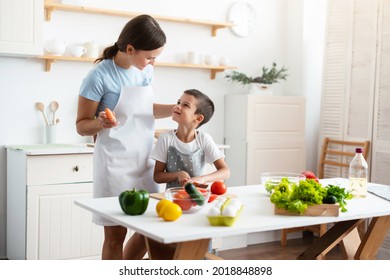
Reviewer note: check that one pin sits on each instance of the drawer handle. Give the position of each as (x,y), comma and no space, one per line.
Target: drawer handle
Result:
(76,168)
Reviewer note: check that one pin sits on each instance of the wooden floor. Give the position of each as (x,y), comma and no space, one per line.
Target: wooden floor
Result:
(273,251)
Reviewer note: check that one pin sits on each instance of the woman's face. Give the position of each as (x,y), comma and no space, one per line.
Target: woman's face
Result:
(141,59)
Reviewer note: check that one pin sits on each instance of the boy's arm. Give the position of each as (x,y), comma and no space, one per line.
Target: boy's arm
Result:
(222,172)
(161,176)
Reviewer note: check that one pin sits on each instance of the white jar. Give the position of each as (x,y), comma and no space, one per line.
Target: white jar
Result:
(91,49)
(193,57)
(211,59)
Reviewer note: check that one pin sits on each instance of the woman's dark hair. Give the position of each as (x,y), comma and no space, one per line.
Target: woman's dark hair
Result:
(142,32)
(205,105)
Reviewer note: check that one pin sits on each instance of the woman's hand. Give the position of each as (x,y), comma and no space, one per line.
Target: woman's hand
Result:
(105,122)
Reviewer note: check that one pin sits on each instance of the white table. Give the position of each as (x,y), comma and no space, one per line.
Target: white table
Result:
(188,237)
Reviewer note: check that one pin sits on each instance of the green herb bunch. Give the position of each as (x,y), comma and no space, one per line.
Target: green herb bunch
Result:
(339,194)
(268,76)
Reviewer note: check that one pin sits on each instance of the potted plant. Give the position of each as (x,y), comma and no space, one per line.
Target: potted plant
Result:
(263,82)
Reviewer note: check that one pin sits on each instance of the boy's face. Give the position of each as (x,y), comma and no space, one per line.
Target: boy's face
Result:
(184,111)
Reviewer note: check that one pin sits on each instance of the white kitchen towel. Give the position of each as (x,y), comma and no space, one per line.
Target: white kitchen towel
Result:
(380,190)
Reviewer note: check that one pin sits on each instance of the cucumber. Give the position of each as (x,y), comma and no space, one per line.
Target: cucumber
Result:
(194,194)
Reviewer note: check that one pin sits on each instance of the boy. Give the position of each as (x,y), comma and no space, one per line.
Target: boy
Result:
(182,154)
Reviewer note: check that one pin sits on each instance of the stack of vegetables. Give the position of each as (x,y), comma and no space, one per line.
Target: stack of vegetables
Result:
(297,197)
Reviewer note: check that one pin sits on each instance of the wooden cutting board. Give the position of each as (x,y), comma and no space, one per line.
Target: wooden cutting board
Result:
(330,210)
(161,195)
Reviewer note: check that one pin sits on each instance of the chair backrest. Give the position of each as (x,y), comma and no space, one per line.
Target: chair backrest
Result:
(339,153)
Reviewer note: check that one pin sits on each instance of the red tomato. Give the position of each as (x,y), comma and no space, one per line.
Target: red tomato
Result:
(310,175)
(218,187)
(212,197)
(183,201)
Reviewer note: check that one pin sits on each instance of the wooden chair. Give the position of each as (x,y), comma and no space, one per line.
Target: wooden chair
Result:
(339,153)
(335,154)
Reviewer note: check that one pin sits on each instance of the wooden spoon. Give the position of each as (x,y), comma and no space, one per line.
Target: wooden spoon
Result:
(41,107)
(54,107)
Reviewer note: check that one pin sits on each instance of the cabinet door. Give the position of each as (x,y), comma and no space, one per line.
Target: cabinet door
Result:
(275,156)
(21,27)
(273,117)
(56,227)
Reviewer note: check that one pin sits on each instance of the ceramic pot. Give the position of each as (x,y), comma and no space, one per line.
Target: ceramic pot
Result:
(92,49)
(256,88)
(55,46)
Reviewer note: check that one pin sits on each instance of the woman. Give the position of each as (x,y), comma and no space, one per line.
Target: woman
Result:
(121,82)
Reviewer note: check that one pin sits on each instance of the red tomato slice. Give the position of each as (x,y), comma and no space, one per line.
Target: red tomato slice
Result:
(212,197)
(182,192)
(202,190)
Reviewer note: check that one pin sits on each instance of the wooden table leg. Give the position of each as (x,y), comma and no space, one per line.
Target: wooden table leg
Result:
(188,250)
(372,240)
(351,243)
(329,240)
(191,250)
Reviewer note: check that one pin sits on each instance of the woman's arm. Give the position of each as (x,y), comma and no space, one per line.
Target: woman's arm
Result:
(162,110)
(161,176)
(86,123)
(222,173)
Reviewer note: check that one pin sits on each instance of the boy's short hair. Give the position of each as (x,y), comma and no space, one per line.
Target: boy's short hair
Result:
(205,105)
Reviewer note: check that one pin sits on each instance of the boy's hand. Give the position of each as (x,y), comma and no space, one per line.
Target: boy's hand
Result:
(183,177)
(195,182)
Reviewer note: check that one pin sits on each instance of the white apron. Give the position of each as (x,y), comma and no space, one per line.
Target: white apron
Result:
(121,154)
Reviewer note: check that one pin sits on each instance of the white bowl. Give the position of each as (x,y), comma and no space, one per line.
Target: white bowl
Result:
(186,203)
(271,179)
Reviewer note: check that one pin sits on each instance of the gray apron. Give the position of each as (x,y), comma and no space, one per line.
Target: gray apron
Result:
(193,163)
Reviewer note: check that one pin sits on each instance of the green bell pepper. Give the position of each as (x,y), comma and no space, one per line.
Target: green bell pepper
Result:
(134,202)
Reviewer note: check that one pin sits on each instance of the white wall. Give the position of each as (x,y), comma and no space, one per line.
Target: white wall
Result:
(277,37)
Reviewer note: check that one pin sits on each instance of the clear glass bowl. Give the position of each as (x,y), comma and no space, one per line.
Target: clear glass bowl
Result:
(271,179)
(183,199)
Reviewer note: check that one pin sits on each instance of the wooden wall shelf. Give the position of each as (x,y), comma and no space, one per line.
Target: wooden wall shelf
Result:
(49,59)
(50,7)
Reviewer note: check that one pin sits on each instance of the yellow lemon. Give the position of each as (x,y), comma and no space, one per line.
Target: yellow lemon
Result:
(160,205)
(171,211)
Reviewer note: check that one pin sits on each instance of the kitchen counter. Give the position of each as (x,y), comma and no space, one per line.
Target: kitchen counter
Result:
(48,149)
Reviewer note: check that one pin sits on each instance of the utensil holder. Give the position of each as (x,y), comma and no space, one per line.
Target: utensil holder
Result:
(51,133)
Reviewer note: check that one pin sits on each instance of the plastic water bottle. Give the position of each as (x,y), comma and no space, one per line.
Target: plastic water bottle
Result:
(358,174)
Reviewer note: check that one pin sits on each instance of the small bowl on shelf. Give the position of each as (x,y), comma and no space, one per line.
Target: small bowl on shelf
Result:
(271,179)
(187,204)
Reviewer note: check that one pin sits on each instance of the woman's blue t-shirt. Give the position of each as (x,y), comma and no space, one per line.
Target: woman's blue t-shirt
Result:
(104,82)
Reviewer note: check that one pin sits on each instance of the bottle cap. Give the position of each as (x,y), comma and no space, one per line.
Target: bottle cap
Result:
(359,150)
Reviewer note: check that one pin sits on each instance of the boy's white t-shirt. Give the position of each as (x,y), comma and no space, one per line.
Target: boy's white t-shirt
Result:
(203,141)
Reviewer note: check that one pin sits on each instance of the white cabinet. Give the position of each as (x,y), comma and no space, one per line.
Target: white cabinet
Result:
(42,220)
(21,27)
(265,133)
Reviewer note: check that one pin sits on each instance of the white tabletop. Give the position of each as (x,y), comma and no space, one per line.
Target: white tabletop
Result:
(256,216)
